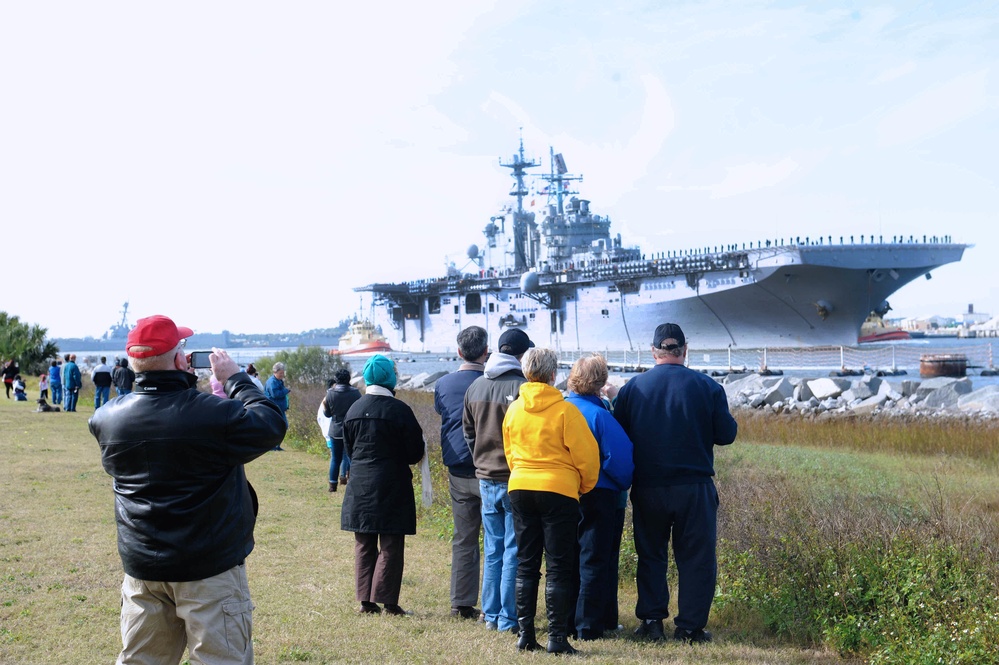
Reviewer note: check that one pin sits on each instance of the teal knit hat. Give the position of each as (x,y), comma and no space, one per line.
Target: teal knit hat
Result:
(379,371)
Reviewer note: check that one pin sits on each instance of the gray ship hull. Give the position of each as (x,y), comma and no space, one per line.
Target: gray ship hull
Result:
(782,297)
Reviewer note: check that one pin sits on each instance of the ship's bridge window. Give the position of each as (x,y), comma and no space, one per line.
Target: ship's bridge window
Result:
(473,303)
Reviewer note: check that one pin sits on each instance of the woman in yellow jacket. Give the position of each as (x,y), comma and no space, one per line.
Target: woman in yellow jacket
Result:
(553,458)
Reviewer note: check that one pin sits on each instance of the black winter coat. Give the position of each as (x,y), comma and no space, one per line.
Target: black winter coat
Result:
(182,502)
(383,438)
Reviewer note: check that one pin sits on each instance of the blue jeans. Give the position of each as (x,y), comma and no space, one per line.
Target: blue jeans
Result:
(57,393)
(339,461)
(72,394)
(499,543)
(101,396)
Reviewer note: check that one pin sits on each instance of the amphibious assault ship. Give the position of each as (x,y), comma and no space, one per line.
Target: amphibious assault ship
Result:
(570,285)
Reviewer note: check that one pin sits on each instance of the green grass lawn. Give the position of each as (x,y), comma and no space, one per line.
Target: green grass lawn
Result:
(60,572)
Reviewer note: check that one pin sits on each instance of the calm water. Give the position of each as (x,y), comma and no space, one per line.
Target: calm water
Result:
(903,355)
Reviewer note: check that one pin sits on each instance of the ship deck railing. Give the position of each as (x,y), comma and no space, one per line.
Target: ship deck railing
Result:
(876,358)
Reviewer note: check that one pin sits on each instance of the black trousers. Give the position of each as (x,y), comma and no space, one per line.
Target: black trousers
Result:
(545,522)
(687,515)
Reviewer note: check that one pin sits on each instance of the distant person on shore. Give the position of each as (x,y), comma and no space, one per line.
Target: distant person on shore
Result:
(466,504)
(277,392)
(486,402)
(101,376)
(252,372)
(124,377)
(675,416)
(602,509)
(383,438)
(184,509)
(10,370)
(553,459)
(43,386)
(55,381)
(337,401)
(72,381)
(20,390)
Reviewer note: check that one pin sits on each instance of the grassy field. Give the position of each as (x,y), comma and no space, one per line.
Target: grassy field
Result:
(60,572)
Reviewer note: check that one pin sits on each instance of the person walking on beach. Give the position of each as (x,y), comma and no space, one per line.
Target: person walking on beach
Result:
(675,416)
(466,504)
(383,438)
(184,509)
(486,403)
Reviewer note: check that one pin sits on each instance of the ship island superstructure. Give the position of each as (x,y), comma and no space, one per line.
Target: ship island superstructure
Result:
(570,285)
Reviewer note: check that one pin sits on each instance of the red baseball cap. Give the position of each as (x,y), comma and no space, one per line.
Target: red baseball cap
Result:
(157,332)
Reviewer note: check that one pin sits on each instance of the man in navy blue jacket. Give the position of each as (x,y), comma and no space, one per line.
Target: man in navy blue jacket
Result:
(466,505)
(675,416)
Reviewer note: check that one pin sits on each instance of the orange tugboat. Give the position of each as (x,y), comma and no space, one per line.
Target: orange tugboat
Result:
(361,339)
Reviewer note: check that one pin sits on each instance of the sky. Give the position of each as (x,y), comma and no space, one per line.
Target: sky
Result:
(243,166)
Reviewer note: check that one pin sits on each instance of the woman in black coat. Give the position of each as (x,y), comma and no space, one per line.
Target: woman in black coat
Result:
(383,438)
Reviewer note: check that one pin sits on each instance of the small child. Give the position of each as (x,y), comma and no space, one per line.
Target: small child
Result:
(43,386)
(20,394)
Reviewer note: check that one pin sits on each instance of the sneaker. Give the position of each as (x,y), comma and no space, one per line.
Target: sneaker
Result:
(651,629)
(699,636)
(491,625)
(465,612)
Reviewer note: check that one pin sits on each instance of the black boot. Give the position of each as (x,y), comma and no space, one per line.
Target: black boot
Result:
(527,607)
(557,600)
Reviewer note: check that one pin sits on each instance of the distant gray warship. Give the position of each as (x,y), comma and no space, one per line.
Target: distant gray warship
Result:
(562,278)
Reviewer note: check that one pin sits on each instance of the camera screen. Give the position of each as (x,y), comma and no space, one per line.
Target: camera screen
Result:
(199,359)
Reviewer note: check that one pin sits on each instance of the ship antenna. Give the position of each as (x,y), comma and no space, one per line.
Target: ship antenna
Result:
(559,179)
(519,166)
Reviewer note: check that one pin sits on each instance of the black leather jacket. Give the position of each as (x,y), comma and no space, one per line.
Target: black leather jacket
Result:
(182,502)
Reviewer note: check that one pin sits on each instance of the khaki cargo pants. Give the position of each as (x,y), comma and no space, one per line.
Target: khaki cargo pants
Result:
(212,617)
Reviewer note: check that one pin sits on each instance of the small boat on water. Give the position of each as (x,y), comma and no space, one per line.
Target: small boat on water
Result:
(361,339)
(874,329)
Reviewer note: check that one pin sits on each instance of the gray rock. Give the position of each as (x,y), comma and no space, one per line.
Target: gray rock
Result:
(870,405)
(983,399)
(778,392)
(948,394)
(826,388)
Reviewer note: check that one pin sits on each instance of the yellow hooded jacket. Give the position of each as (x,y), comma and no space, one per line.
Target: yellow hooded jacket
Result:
(548,444)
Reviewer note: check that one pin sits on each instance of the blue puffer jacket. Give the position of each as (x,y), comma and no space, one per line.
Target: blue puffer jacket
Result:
(616,464)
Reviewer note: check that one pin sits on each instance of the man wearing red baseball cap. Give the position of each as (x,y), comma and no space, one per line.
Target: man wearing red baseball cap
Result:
(184,509)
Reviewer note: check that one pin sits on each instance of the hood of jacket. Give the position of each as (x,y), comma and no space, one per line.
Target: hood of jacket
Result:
(539,396)
(501,363)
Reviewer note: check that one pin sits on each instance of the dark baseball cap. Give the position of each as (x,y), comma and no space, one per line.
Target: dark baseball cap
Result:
(515,342)
(665,331)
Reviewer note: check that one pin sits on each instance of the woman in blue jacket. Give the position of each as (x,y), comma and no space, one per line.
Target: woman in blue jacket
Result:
(602,509)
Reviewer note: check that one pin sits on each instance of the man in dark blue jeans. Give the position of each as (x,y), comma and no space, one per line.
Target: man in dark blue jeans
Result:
(675,416)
